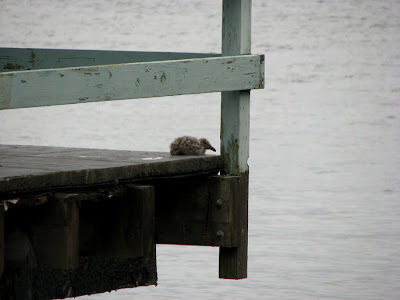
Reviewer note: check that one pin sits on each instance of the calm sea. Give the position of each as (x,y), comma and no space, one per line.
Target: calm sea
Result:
(324,203)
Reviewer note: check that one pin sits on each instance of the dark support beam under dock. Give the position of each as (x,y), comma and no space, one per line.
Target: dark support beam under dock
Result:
(143,198)
(2,248)
(198,212)
(55,233)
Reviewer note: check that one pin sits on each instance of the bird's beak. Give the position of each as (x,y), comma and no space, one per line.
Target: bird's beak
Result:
(213,149)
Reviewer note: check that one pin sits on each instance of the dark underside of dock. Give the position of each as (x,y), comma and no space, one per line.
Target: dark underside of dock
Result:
(83,221)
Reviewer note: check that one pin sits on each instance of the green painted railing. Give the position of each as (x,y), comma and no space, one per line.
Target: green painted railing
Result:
(40,77)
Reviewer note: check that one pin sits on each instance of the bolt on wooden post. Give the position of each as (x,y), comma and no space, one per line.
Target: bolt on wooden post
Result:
(235,125)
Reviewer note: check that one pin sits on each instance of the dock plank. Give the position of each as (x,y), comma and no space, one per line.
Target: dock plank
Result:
(30,168)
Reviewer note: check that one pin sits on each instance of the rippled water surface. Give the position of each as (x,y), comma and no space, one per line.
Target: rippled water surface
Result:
(324,207)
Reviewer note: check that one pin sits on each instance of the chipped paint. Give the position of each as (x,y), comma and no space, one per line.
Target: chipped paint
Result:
(163,77)
(231,156)
(10,66)
(122,81)
(262,58)
(33,59)
(137,83)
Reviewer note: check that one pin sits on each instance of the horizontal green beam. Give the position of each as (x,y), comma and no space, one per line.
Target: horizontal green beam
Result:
(130,81)
(19,59)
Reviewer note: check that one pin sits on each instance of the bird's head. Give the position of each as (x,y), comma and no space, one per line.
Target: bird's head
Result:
(206,144)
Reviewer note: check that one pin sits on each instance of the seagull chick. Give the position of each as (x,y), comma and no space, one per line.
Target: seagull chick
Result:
(188,145)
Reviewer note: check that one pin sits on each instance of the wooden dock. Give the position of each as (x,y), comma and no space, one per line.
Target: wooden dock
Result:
(82,221)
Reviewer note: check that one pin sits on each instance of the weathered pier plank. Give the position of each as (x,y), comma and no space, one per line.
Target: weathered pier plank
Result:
(37,168)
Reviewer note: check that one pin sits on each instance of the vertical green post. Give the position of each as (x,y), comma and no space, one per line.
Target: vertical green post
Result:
(235,128)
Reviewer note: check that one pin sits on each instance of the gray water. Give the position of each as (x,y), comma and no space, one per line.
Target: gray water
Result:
(324,207)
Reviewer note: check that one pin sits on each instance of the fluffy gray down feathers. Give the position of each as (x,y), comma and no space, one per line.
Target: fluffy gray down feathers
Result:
(188,145)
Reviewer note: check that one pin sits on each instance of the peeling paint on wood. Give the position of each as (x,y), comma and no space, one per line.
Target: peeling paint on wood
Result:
(155,79)
(235,129)
(10,66)
(34,58)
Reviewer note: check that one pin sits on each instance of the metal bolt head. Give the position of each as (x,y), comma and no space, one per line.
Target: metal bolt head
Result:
(220,234)
(219,203)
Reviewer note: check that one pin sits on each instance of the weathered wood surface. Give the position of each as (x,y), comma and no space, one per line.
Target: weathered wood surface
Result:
(20,59)
(130,81)
(198,211)
(54,233)
(120,227)
(110,223)
(78,243)
(143,198)
(2,247)
(94,275)
(235,130)
(38,168)
(100,214)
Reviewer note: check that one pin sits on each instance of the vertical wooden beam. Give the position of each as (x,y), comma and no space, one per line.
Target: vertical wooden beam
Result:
(122,227)
(142,196)
(2,246)
(224,209)
(235,127)
(55,233)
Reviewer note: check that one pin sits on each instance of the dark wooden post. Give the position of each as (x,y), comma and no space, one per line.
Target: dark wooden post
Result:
(235,124)
(121,227)
(55,233)
(2,247)
(224,212)
(143,199)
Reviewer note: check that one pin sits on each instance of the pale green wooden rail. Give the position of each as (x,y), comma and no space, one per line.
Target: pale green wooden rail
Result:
(39,77)
(55,86)
(18,59)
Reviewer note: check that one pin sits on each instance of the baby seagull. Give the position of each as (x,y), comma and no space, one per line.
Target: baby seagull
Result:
(188,145)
